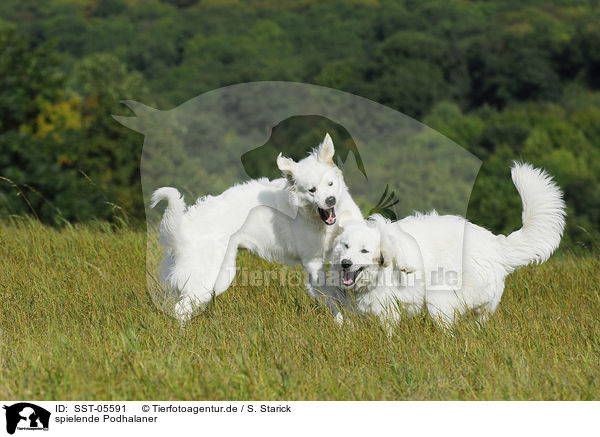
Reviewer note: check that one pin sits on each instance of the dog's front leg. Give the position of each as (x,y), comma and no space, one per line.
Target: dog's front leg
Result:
(326,299)
(316,273)
(325,293)
(316,280)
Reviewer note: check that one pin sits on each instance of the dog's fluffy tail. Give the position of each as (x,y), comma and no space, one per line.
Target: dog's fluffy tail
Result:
(543,218)
(172,217)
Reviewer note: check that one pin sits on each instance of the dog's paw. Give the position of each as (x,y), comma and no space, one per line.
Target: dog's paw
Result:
(183,312)
(407,269)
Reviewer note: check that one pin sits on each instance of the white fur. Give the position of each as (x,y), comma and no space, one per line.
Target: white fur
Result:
(277,220)
(420,245)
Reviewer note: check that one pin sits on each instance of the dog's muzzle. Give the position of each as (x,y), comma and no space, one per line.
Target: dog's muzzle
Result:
(349,277)
(327,215)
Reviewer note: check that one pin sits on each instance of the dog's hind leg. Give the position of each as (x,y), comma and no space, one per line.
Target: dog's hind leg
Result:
(444,307)
(484,313)
(228,266)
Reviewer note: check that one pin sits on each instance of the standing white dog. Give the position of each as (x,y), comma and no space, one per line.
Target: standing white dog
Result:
(404,267)
(293,220)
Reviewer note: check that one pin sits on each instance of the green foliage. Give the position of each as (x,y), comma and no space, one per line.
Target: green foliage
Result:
(515,80)
(29,77)
(61,155)
(564,142)
(385,205)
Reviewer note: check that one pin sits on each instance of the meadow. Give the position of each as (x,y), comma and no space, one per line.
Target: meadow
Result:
(77,322)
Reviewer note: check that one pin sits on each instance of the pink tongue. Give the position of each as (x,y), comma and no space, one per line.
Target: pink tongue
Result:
(330,218)
(348,278)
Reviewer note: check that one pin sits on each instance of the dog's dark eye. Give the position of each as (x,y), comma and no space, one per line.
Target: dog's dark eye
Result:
(312,190)
(330,184)
(364,251)
(345,245)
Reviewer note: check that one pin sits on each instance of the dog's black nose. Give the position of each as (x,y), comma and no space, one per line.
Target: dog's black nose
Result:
(346,263)
(330,201)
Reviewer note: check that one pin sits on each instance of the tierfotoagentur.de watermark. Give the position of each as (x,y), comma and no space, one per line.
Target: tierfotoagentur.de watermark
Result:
(439,279)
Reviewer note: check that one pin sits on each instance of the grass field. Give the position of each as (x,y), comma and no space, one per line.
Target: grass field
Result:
(77,322)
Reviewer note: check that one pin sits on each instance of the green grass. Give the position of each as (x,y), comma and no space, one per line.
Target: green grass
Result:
(77,322)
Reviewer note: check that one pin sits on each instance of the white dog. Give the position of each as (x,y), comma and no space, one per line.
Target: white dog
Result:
(293,220)
(412,265)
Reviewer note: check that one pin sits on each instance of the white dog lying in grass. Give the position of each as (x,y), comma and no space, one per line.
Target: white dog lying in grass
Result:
(390,269)
(293,220)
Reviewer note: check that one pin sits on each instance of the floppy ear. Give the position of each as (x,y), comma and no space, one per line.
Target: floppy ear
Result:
(392,252)
(287,166)
(326,150)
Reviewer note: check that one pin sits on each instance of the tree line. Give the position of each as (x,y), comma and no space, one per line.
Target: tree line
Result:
(506,80)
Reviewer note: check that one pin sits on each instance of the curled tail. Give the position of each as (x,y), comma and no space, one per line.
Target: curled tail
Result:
(543,218)
(172,216)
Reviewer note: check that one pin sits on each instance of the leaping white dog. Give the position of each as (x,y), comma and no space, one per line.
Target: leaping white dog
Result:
(293,220)
(391,269)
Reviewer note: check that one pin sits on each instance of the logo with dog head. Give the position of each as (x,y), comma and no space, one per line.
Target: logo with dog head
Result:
(26,416)
(267,131)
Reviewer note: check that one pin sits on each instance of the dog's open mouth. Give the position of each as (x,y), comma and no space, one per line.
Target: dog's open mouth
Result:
(327,215)
(349,278)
